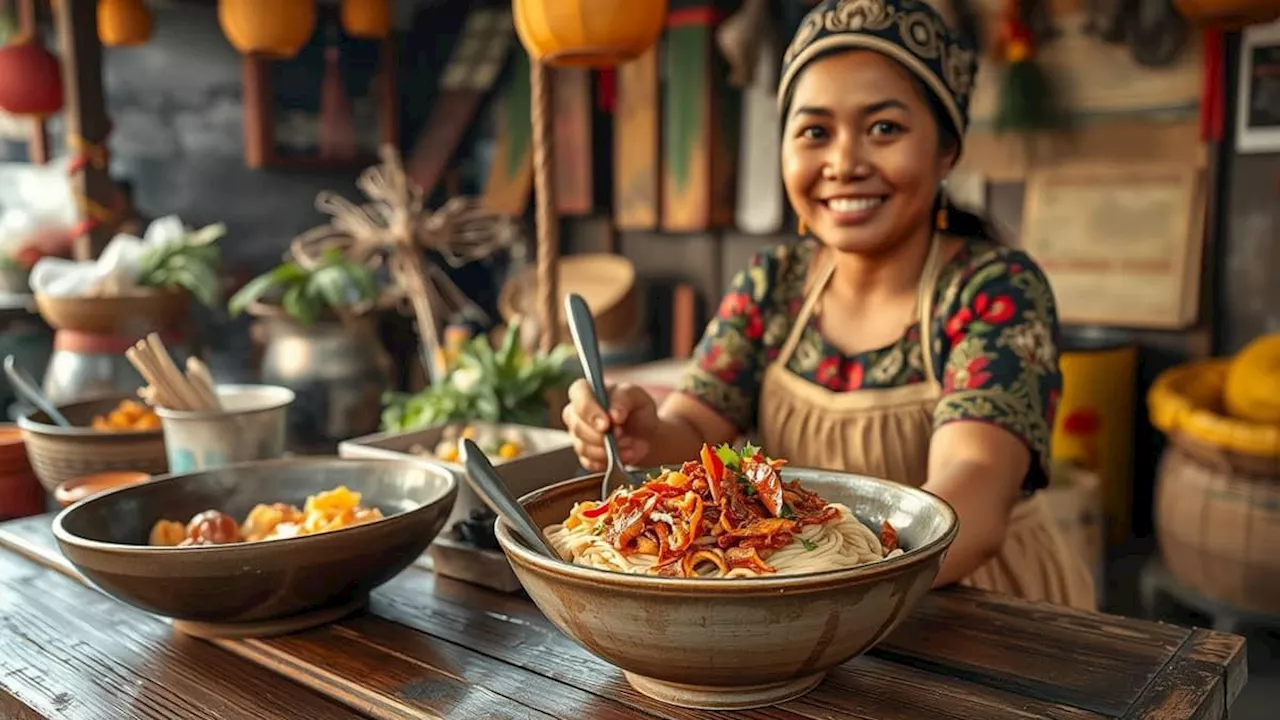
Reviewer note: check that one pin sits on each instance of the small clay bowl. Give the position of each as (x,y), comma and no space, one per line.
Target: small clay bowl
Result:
(73,491)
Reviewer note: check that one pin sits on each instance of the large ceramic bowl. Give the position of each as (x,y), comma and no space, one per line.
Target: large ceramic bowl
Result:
(742,643)
(260,588)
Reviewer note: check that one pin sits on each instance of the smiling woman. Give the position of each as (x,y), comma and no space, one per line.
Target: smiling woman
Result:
(898,339)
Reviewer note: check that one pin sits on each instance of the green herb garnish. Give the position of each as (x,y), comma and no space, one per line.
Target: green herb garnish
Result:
(787,512)
(809,545)
(728,456)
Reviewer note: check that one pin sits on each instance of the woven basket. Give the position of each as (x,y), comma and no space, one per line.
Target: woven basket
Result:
(606,282)
(58,454)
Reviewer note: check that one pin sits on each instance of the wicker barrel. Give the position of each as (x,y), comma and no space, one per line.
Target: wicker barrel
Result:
(1218,523)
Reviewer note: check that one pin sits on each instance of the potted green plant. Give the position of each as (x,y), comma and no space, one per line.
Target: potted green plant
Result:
(506,385)
(322,343)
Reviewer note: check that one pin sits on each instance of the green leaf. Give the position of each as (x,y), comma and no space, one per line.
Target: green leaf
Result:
(728,456)
(253,291)
(809,545)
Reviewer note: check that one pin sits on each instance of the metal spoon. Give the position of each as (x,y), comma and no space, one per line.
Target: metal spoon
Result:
(486,481)
(583,329)
(23,383)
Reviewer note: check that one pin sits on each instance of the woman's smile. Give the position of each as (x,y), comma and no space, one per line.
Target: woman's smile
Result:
(853,210)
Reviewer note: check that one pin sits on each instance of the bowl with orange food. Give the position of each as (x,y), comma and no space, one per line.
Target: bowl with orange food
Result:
(258,548)
(108,433)
(733,580)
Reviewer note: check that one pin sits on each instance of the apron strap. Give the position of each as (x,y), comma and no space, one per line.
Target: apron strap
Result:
(924,302)
(820,280)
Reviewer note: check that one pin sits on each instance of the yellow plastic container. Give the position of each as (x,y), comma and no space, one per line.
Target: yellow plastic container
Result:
(1094,424)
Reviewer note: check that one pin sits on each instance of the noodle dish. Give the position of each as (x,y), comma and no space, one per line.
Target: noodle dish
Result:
(728,514)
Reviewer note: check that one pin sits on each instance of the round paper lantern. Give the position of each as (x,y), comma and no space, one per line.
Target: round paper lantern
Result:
(124,23)
(366,19)
(276,29)
(588,33)
(1228,14)
(30,80)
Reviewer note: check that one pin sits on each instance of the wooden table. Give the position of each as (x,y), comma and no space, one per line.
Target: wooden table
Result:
(429,647)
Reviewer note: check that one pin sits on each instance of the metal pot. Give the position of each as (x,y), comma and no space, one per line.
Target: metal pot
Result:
(337,370)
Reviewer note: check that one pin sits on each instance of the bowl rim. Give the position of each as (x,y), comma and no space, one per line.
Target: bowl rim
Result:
(770,583)
(27,425)
(275,398)
(63,535)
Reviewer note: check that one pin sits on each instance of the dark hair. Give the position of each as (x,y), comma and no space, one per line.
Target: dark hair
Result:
(961,223)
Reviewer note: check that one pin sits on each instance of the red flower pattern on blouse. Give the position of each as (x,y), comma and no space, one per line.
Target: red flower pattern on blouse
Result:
(985,291)
(973,374)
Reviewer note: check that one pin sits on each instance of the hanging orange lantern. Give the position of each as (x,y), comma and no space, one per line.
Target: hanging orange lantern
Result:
(366,19)
(1228,14)
(277,29)
(124,23)
(588,33)
(30,80)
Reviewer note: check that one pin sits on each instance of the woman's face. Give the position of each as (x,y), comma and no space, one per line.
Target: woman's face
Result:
(860,153)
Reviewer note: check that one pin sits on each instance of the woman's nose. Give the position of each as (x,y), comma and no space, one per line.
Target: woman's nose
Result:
(847,160)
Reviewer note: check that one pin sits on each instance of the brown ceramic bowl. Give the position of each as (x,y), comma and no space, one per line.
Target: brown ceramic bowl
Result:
(59,454)
(742,643)
(261,588)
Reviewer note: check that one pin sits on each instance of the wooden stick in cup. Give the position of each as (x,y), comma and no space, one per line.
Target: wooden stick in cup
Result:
(158,392)
(182,386)
(199,375)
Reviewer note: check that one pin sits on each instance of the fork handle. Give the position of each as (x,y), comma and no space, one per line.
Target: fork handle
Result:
(583,329)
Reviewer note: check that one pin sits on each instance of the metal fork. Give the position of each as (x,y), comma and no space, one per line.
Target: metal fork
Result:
(583,329)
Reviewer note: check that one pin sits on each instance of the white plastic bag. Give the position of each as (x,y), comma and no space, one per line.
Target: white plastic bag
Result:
(117,267)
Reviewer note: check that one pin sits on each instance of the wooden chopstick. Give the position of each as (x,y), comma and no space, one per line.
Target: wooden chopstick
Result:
(167,386)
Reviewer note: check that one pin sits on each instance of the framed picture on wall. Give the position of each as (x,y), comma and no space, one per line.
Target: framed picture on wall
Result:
(1258,113)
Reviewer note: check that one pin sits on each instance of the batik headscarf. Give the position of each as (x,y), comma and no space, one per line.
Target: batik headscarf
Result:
(908,31)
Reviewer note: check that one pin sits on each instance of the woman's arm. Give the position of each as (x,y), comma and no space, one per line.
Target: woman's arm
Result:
(684,424)
(979,468)
(1000,384)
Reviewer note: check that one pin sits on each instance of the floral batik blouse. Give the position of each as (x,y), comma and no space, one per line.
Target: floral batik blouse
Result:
(995,336)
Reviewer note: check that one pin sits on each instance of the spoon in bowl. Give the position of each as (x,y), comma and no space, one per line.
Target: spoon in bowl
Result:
(23,383)
(486,481)
(583,329)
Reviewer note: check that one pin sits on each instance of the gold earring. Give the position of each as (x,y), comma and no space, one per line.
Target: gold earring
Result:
(941,221)
(803,229)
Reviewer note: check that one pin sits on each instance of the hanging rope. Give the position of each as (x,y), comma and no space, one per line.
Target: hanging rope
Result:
(547,222)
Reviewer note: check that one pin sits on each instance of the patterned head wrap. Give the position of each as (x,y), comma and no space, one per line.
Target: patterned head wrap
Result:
(909,31)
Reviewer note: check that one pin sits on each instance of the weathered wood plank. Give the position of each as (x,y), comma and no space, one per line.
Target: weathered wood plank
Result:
(70,652)
(512,630)
(383,684)
(1194,683)
(1092,661)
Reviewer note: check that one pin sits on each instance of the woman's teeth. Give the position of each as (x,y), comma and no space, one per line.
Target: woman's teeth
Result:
(849,205)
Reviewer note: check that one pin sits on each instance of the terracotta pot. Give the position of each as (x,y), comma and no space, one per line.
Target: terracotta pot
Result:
(20,491)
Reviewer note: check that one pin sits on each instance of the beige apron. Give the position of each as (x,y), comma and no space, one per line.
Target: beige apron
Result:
(885,433)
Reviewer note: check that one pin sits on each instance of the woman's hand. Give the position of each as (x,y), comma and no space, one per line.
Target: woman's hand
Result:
(633,416)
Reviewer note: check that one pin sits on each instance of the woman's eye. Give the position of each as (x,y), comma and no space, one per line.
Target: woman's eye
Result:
(813,132)
(885,127)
